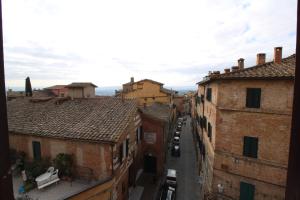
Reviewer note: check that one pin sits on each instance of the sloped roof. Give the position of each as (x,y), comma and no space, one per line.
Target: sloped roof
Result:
(157,111)
(55,87)
(80,85)
(94,119)
(143,80)
(269,70)
(165,90)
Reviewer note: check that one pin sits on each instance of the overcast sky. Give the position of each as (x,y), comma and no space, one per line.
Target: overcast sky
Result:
(106,42)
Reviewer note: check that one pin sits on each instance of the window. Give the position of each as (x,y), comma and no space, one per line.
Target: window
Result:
(127,146)
(208,94)
(253,97)
(36,147)
(250,146)
(247,191)
(209,131)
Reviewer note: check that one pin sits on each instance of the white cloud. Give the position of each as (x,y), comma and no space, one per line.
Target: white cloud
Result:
(107,42)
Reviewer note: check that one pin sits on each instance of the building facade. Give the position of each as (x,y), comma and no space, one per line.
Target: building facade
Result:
(243,122)
(100,133)
(156,127)
(147,92)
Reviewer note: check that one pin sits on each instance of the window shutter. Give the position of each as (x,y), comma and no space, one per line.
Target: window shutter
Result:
(254,147)
(247,146)
(250,146)
(247,191)
(127,147)
(253,97)
(121,153)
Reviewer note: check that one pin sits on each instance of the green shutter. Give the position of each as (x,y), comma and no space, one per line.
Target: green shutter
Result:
(254,147)
(247,146)
(250,147)
(253,97)
(247,191)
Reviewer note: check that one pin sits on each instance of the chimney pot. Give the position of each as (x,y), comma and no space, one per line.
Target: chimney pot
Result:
(277,55)
(241,63)
(260,58)
(131,79)
(227,70)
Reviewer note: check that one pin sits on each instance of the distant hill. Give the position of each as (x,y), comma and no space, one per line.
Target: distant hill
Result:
(110,91)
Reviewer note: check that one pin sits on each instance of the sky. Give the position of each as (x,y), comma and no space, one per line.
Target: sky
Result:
(106,42)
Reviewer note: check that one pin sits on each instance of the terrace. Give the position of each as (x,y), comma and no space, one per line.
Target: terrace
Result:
(61,190)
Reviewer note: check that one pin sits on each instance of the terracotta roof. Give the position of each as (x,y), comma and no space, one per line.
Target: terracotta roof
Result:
(269,70)
(55,87)
(93,119)
(80,85)
(158,111)
(155,82)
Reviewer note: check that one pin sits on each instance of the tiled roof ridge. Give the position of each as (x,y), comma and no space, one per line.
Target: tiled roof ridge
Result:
(258,66)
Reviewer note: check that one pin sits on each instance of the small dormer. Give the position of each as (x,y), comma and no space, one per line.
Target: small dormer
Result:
(81,90)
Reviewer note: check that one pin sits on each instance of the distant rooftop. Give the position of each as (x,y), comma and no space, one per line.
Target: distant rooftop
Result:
(80,85)
(55,87)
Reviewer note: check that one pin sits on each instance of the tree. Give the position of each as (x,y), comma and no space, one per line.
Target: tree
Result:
(28,89)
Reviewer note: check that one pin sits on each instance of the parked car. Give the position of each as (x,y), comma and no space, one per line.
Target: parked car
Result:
(176,140)
(171,178)
(177,134)
(168,193)
(175,150)
(49,177)
(179,128)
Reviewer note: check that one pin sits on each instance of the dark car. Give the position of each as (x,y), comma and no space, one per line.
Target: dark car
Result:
(176,150)
(176,140)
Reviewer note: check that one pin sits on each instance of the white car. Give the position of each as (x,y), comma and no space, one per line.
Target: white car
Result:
(51,176)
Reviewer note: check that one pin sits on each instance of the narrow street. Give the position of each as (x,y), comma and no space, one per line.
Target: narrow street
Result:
(186,166)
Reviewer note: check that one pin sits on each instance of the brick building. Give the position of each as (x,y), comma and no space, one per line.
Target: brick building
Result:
(81,90)
(58,90)
(100,133)
(156,125)
(243,122)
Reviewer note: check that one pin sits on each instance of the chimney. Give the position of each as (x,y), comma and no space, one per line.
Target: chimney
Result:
(131,79)
(227,70)
(241,63)
(260,58)
(277,55)
(234,68)
(216,72)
